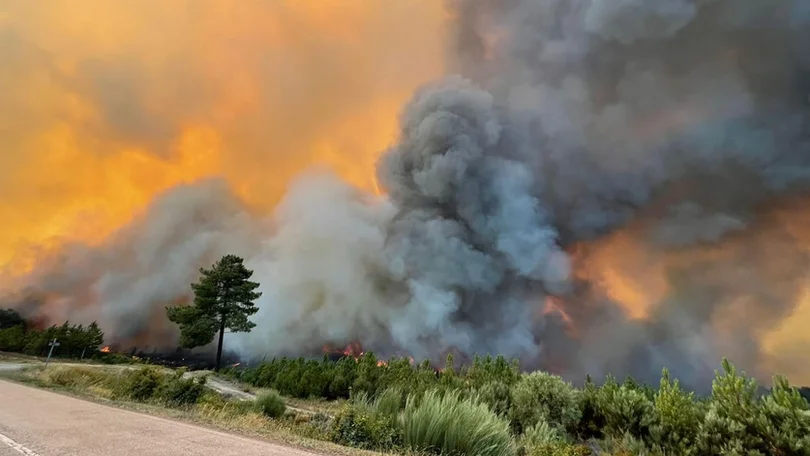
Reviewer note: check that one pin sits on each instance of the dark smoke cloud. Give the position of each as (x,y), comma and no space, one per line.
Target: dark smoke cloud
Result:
(679,124)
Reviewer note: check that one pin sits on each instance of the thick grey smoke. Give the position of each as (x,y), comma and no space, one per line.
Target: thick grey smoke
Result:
(682,123)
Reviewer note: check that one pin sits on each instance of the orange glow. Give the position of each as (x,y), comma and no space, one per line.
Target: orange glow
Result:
(105,349)
(554,305)
(109,104)
(637,274)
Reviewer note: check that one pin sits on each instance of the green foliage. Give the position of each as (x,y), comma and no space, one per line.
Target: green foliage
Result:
(488,369)
(784,419)
(448,424)
(592,422)
(498,397)
(738,422)
(678,417)
(13,339)
(177,390)
(388,404)
(223,299)
(542,434)
(271,404)
(10,318)
(540,396)
(359,424)
(557,449)
(140,384)
(624,419)
(16,335)
(625,411)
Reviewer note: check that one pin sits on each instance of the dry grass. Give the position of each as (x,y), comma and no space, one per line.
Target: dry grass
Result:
(17,358)
(96,384)
(316,405)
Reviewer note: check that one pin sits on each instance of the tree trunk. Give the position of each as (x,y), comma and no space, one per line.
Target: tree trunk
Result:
(219,346)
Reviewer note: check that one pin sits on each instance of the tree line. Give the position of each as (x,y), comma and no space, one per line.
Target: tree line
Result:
(75,341)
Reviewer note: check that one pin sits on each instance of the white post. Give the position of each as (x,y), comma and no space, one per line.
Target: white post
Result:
(53,344)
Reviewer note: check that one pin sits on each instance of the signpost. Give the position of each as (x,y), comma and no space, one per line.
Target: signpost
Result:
(52,344)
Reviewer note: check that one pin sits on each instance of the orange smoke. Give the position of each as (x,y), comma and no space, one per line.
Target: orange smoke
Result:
(109,104)
(630,269)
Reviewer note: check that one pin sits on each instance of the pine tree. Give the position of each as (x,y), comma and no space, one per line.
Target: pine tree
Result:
(223,299)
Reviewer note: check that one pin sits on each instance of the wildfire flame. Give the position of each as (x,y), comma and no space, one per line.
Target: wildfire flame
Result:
(105,349)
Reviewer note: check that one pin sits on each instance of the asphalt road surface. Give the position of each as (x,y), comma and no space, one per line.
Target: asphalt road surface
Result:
(34,422)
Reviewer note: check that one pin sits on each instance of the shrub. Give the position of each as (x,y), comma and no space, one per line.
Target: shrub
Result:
(12,338)
(498,397)
(625,411)
(358,426)
(558,449)
(542,396)
(182,391)
(542,433)
(677,416)
(728,426)
(140,384)
(738,422)
(270,404)
(592,422)
(627,445)
(451,425)
(784,419)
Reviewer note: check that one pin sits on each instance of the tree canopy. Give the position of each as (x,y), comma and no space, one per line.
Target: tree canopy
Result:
(9,318)
(223,299)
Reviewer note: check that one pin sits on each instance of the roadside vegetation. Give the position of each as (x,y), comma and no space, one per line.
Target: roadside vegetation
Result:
(488,409)
(76,342)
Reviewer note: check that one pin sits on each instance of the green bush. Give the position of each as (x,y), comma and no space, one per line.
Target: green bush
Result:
(140,384)
(677,417)
(558,449)
(542,396)
(625,411)
(541,434)
(182,391)
(450,425)
(270,404)
(627,445)
(12,339)
(498,397)
(592,422)
(784,419)
(357,425)
(737,422)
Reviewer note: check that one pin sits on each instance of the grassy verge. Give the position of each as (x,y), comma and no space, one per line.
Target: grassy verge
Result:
(102,384)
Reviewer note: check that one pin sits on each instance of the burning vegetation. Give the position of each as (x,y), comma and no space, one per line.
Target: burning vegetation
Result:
(588,186)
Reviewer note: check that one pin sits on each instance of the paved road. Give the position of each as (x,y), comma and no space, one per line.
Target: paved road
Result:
(34,422)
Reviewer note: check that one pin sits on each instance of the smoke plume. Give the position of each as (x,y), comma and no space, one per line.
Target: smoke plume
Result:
(596,186)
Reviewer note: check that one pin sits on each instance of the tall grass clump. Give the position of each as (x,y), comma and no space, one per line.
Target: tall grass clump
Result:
(448,424)
(270,404)
(369,423)
(75,377)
